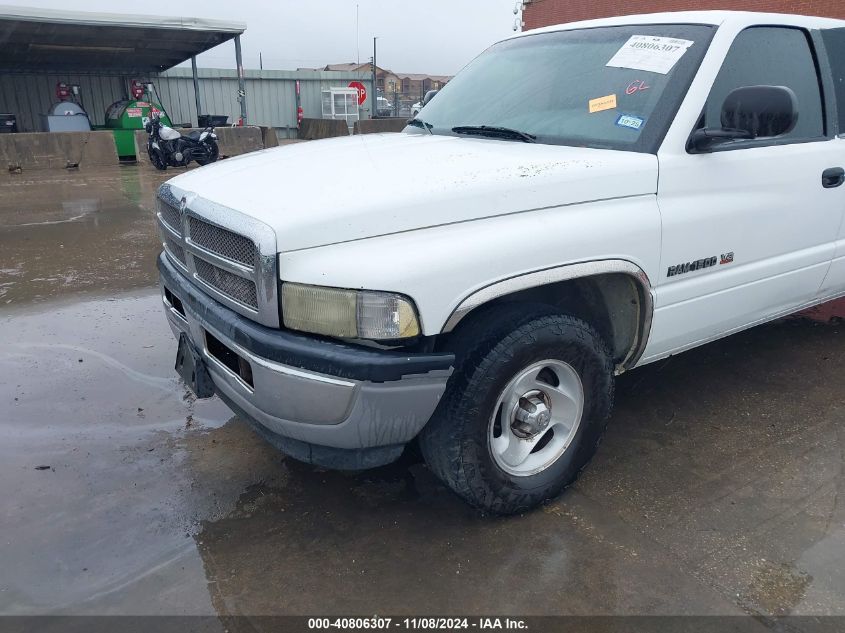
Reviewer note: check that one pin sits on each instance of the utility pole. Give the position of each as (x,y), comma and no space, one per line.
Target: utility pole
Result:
(357,34)
(374,102)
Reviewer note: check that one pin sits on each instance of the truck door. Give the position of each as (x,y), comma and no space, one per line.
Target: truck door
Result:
(749,228)
(834,42)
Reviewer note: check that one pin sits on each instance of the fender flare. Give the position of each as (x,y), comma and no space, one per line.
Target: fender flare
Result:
(568,272)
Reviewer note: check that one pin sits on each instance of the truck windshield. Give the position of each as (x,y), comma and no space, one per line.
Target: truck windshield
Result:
(610,87)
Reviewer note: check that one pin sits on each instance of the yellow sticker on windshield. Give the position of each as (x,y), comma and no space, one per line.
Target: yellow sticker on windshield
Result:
(603,103)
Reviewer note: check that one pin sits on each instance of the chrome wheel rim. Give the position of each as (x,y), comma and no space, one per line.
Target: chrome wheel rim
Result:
(536,418)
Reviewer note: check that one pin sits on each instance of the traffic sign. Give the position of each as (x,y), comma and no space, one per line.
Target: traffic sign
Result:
(362,91)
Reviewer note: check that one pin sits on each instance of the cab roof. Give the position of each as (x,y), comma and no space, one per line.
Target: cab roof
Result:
(739,19)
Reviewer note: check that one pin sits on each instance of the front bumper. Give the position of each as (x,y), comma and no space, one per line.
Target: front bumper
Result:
(306,390)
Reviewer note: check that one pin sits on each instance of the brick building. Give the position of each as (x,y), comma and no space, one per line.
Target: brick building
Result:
(537,13)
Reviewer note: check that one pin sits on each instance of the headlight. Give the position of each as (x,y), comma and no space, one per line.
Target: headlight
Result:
(348,313)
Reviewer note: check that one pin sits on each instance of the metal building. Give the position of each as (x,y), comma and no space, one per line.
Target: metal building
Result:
(99,52)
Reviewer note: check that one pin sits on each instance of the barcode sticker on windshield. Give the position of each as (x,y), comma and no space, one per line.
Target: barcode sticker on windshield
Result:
(649,53)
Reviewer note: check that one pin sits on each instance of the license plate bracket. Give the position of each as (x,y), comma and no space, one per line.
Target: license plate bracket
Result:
(192,369)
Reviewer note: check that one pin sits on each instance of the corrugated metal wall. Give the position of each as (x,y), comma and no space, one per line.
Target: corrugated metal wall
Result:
(271,99)
(270,94)
(29,96)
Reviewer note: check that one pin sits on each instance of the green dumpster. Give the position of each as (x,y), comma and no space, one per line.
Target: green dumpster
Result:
(124,117)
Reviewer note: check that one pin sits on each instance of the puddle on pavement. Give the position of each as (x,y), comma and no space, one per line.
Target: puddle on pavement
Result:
(64,233)
(87,390)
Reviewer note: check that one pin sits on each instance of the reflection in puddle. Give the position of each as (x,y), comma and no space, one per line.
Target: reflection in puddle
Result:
(91,233)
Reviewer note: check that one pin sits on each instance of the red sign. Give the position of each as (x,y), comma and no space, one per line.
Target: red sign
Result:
(362,91)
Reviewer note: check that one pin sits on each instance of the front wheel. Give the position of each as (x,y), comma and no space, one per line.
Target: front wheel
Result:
(525,410)
(156,157)
(213,153)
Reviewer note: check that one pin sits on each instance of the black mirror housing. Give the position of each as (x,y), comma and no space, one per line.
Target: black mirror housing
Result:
(704,138)
(761,111)
(749,113)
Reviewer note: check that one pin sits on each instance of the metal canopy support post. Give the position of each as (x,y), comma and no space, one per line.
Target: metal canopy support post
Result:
(196,87)
(374,101)
(241,84)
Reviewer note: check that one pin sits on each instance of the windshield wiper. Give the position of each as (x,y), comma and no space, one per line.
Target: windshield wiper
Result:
(494,132)
(421,124)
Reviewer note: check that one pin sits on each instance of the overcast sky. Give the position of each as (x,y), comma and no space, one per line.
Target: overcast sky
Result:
(419,36)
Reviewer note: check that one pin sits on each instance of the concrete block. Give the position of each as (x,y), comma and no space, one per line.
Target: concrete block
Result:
(57,150)
(141,148)
(380,126)
(235,141)
(269,137)
(316,129)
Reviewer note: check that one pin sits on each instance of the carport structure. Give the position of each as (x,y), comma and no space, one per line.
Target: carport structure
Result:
(40,41)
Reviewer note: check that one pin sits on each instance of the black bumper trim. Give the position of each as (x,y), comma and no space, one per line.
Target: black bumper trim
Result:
(319,355)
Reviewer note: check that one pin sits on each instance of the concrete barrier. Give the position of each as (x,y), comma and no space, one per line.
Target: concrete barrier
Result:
(378,126)
(233,141)
(56,150)
(316,129)
(269,137)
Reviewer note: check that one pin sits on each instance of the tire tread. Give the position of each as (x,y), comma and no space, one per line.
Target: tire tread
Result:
(444,440)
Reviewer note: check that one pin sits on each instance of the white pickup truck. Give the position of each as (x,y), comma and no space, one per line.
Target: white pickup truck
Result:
(579,201)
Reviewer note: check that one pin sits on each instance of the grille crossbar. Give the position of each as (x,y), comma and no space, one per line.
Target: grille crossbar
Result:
(175,249)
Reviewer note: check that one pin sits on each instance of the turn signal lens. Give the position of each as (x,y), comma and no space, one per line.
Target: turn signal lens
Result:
(343,313)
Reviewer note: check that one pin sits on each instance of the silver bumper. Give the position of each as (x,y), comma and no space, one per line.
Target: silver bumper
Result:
(311,407)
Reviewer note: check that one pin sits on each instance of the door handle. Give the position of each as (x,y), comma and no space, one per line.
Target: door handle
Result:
(833,177)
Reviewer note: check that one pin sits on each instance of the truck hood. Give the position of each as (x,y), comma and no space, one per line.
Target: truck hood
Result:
(338,190)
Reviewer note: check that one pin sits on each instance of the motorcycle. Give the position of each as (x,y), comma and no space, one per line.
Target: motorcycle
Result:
(168,147)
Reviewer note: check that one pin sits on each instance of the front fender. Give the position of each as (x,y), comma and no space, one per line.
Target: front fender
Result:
(441,267)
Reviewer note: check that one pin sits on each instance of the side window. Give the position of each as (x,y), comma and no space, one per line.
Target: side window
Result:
(834,42)
(773,56)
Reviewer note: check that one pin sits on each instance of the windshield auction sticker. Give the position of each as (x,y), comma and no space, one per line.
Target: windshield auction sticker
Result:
(649,53)
(602,103)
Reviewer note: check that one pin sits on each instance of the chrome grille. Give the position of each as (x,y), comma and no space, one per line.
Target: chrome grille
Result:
(236,265)
(240,289)
(222,242)
(175,249)
(171,217)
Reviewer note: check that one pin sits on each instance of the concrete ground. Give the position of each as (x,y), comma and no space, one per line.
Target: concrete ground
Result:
(719,488)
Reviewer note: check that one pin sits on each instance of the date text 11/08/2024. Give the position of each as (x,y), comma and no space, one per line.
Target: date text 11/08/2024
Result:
(424,623)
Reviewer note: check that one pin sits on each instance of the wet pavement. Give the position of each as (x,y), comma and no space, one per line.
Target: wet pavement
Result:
(718,489)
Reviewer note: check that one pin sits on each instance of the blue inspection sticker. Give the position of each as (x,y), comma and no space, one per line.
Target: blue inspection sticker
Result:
(630,121)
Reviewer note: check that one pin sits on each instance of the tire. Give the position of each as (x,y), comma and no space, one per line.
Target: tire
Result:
(156,158)
(498,348)
(214,154)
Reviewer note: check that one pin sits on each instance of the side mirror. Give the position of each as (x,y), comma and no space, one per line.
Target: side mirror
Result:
(752,112)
